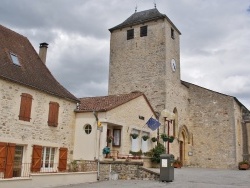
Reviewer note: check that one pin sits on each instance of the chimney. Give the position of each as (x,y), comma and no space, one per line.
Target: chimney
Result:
(43,51)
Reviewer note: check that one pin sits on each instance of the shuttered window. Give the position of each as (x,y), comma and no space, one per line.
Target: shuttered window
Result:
(25,107)
(36,158)
(130,34)
(7,152)
(3,154)
(63,152)
(53,114)
(144,31)
(10,161)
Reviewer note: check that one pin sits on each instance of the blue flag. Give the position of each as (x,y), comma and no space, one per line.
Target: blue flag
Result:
(153,124)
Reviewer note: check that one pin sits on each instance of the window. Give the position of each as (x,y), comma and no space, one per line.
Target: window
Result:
(130,34)
(135,142)
(117,137)
(6,159)
(172,33)
(144,31)
(18,158)
(53,114)
(48,155)
(14,59)
(144,143)
(25,107)
(43,159)
(87,129)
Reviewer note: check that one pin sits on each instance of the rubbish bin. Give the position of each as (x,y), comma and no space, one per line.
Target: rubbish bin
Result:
(166,167)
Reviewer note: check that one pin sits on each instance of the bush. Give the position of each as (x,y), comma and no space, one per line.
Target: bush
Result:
(156,152)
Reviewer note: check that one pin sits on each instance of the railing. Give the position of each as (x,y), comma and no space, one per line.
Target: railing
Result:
(115,154)
(23,170)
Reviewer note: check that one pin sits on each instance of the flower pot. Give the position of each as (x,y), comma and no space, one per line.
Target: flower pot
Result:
(165,139)
(243,166)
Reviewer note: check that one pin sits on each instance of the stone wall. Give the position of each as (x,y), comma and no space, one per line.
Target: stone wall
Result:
(213,126)
(125,171)
(37,131)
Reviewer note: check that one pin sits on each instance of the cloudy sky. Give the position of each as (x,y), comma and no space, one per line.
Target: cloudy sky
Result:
(215,40)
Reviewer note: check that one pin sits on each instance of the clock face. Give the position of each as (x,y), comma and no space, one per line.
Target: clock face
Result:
(173,65)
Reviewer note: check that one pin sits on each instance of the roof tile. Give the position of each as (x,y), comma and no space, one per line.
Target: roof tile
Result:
(106,103)
(32,72)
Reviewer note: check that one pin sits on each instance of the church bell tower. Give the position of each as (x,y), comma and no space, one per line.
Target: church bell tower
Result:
(145,56)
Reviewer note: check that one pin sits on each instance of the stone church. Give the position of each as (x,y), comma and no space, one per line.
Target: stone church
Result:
(211,129)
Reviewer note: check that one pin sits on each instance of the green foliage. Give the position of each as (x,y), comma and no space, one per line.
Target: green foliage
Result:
(156,152)
(244,162)
(134,135)
(136,153)
(145,137)
(154,139)
(164,137)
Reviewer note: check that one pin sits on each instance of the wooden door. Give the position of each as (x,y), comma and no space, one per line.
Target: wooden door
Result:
(181,151)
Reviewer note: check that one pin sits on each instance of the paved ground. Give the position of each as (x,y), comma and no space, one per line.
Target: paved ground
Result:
(184,178)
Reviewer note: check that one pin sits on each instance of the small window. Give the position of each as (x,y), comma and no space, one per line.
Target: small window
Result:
(47,158)
(144,31)
(14,59)
(25,107)
(117,137)
(88,129)
(172,33)
(130,34)
(53,114)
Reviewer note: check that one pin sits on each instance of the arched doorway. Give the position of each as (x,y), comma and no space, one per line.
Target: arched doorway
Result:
(183,138)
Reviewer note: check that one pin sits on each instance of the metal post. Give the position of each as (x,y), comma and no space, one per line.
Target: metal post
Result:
(168,135)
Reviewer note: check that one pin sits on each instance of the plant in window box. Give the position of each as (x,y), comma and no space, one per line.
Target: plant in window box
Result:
(243,165)
(145,137)
(154,139)
(134,135)
(171,139)
(164,137)
(110,139)
(136,154)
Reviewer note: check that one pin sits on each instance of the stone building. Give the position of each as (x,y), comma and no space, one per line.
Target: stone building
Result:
(37,116)
(120,116)
(210,127)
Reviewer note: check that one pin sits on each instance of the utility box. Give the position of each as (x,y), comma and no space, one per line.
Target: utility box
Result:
(167,167)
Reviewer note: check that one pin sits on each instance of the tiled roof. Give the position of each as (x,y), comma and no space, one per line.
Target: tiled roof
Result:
(142,17)
(32,72)
(106,103)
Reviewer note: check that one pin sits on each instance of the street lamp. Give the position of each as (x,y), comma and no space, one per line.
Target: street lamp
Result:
(168,117)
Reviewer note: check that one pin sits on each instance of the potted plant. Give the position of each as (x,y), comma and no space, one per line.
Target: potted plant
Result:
(134,135)
(171,139)
(177,163)
(154,139)
(136,154)
(145,137)
(110,139)
(164,137)
(243,165)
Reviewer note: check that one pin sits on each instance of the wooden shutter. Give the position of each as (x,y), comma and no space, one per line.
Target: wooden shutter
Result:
(36,158)
(10,161)
(3,154)
(53,114)
(63,153)
(25,107)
